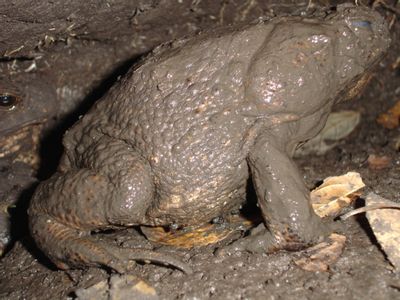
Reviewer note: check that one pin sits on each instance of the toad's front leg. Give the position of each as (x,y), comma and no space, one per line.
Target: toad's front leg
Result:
(110,189)
(284,201)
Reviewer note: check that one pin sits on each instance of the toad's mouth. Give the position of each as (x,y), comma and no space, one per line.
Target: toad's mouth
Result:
(14,118)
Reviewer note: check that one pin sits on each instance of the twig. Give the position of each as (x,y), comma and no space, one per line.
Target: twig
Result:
(386,6)
(369,208)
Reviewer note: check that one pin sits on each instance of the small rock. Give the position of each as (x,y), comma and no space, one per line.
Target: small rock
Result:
(376,162)
(130,287)
(98,291)
(119,287)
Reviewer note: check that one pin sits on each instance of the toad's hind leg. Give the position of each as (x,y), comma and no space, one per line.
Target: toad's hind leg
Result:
(104,193)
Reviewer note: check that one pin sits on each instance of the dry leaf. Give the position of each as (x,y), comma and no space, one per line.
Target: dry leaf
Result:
(388,121)
(338,126)
(196,236)
(336,193)
(376,162)
(385,224)
(384,217)
(321,256)
(186,238)
(391,119)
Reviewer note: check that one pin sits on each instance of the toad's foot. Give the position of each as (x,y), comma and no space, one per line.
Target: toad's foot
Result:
(119,259)
(126,254)
(71,248)
(261,240)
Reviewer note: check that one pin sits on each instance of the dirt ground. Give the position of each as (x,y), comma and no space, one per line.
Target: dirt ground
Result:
(84,60)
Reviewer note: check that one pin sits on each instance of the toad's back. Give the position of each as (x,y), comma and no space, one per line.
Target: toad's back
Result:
(180,110)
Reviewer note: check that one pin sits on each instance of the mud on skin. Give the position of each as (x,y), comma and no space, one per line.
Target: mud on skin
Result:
(174,142)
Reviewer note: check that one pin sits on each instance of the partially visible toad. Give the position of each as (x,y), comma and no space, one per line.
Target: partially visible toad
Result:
(27,101)
(176,140)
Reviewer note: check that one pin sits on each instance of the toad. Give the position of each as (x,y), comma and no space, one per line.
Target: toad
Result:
(26,102)
(175,141)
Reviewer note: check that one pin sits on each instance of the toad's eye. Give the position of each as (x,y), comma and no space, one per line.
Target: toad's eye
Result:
(8,101)
(362,24)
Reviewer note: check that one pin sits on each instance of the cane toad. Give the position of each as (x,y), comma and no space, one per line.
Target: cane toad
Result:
(176,140)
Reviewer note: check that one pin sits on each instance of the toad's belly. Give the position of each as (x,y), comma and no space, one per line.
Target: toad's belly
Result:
(200,201)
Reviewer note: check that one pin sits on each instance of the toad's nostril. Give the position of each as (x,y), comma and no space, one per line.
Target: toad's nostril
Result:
(363,24)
